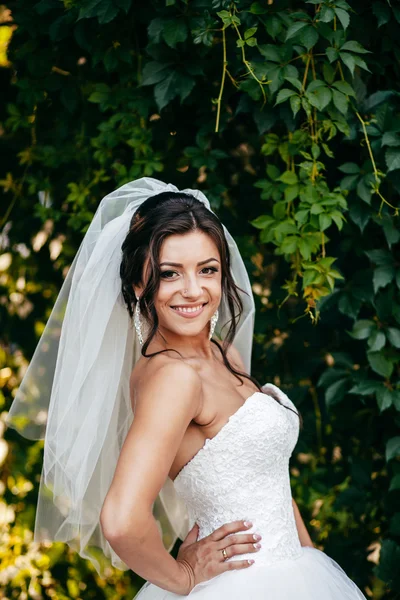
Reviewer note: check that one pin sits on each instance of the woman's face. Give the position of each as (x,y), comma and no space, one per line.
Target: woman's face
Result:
(188,262)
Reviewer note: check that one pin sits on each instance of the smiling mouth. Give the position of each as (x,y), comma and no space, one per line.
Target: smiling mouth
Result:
(189,310)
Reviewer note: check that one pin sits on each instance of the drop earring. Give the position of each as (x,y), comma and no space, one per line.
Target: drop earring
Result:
(213,323)
(138,322)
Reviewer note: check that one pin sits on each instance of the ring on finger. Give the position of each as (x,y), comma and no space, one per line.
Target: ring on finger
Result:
(224,554)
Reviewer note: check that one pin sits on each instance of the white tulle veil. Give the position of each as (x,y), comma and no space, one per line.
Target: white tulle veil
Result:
(75,392)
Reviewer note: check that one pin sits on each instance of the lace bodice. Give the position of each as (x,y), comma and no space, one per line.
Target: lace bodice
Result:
(243,473)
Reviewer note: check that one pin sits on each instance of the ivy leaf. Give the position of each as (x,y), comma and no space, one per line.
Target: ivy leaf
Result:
(336,392)
(344,87)
(350,168)
(326,14)
(382,13)
(176,84)
(380,364)
(365,387)
(284,94)
(393,335)
(249,32)
(376,341)
(332,54)
(384,398)
(174,31)
(295,104)
(309,36)
(154,72)
(362,329)
(343,17)
(352,46)
(359,214)
(325,221)
(263,221)
(289,178)
(340,101)
(390,138)
(392,448)
(348,60)
(382,277)
(380,257)
(294,29)
(392,157)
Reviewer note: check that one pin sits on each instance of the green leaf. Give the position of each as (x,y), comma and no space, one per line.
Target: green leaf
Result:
(382,277)
(325,221)
(393,335)
(340,101)
(380,257)
(302,216)
(249,32)
(382,13)
(262,221)
(294,29)
(258,9)
(332,54)
(390,138)
(336,392)
(320,98)
(353,46)
(289,178)
(270,52)
(349,168)
(284,94)
(176,84)
(384,398)
(309,37)
(295,82)
(154,72)
(295,104)
(376,341)
(392,448)
(343,17)
(348,60)
(326,14)
(380,364)
(365,387)
(344,87)
(362,329)
(392,157)
(174,31)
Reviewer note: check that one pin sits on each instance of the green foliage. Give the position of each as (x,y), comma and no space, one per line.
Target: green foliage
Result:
(287,115)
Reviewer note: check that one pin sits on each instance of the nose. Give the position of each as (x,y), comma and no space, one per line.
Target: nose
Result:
(192,287)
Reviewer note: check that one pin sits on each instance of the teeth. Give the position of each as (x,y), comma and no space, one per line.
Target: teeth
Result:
(187,310)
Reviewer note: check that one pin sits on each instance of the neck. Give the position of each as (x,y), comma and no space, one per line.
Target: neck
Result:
(198,346)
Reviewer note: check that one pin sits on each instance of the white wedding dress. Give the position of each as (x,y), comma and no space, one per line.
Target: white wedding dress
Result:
(243,473)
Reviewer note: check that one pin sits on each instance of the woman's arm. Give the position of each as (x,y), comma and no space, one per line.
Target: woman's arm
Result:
(169,400)
(304,536)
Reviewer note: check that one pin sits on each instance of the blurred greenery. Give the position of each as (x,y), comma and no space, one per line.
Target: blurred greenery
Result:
(287,115)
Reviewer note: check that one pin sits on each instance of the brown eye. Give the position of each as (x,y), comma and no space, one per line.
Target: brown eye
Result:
(166,274)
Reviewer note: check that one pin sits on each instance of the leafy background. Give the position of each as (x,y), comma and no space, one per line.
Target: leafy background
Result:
(287,115)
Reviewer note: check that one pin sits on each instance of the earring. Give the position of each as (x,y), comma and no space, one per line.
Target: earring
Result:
(138,322)
(213,323)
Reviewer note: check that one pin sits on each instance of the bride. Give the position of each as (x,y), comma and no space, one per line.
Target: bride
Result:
(163,433)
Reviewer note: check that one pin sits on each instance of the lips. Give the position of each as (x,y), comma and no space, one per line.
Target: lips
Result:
(189,311)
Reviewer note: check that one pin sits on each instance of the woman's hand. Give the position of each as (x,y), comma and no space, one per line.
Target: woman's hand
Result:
(202,560)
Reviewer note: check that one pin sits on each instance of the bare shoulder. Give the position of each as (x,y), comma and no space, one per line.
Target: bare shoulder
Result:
(163,375)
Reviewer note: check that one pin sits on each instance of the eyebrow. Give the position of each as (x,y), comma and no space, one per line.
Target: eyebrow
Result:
(203,262)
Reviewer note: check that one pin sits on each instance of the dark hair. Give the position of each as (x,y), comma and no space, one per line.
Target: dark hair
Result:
(158,217)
